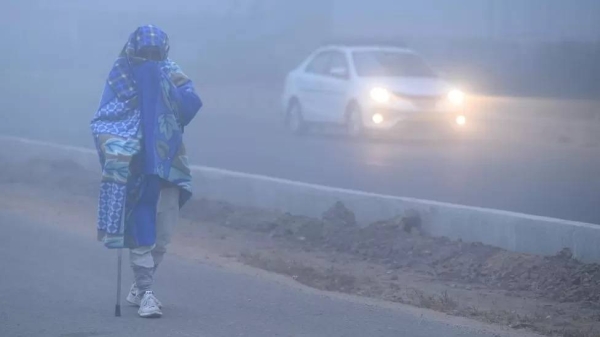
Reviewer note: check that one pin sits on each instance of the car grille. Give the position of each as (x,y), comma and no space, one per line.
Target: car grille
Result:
(422,102)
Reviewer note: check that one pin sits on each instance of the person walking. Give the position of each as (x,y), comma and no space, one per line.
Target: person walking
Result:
(138,131)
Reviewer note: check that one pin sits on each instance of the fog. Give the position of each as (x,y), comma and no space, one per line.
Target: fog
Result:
(490,151)
(535,42)
(535,58)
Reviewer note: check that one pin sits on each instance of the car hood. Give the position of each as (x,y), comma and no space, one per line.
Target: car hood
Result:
(410,86)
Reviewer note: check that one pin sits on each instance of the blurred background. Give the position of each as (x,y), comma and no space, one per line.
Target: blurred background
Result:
(498,47)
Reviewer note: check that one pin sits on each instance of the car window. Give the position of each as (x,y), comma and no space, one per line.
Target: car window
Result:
(390,64)
(337,62)
(319,64)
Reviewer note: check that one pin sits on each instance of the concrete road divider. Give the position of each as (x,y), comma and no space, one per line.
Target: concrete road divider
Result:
(511,231)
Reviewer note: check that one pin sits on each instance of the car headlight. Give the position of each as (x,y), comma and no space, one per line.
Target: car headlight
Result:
(456,97)
(380,95)
(377,118)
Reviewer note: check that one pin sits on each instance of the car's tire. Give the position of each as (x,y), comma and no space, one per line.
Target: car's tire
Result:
(294,119)
(354,123)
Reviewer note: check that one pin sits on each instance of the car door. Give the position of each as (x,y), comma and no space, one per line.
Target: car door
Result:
(311,86)
(335,86)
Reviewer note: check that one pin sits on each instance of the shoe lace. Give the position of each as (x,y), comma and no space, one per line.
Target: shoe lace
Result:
(150,301)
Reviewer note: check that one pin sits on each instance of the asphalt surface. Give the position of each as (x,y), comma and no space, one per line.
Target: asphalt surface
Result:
(554,179)
(526,175)
(55,282)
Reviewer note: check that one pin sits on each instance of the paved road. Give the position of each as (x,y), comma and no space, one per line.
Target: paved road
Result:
(553,180)
(59,283)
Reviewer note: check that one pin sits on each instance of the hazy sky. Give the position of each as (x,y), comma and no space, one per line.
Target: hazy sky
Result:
(540,20)
(237,39)
(536,20)
(513,19)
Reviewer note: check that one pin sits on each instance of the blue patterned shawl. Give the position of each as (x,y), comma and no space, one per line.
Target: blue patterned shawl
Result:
(138,132)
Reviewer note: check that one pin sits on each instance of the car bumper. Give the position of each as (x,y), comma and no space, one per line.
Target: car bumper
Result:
(382,120)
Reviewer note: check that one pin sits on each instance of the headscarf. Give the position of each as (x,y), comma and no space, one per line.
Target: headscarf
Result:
(119,113)
(145,38)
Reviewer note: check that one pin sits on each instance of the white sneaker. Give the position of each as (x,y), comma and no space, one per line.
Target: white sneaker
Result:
(149,306)
(135,297)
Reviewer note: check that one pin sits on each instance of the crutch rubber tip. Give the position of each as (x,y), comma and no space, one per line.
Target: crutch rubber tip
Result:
(117,311)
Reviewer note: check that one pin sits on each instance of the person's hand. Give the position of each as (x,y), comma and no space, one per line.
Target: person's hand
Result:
(179,79)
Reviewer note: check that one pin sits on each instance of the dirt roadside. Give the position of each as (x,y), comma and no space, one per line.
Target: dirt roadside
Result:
(390,260)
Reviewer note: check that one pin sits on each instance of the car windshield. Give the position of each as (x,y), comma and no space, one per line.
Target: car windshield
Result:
(390,64)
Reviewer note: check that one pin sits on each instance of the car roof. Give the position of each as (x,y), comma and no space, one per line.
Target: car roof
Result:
(359,48)
(350,44)
(370,48)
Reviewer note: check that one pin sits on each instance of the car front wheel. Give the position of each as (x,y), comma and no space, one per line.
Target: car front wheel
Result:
(295,120)
(354,122)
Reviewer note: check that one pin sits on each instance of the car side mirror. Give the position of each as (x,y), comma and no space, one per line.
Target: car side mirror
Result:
(339,72)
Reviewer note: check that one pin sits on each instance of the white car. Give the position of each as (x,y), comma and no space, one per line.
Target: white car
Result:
(368,89)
